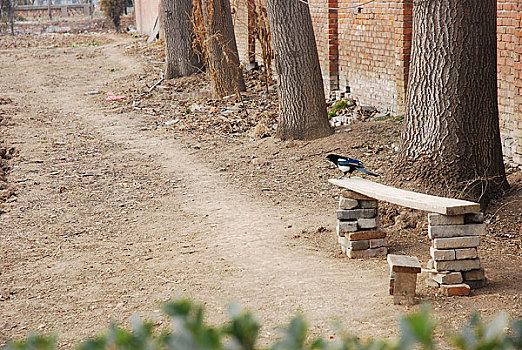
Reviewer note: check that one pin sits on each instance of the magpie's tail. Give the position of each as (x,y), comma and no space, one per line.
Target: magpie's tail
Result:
(368,172)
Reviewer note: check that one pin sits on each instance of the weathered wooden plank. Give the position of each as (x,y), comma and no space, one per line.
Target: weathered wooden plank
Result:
(414,200)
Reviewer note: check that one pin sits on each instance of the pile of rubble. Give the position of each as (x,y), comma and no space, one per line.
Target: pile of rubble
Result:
(349,111)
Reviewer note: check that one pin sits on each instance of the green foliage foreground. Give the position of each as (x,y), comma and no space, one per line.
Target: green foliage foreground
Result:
(241,332)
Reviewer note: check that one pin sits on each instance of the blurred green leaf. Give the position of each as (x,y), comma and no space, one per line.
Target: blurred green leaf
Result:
(294,335)
(415,329)
(33,342)
(243,328)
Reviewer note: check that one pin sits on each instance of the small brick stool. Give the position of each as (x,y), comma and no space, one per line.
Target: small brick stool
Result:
(403,277)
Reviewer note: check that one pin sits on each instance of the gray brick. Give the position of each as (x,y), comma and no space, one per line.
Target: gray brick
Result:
(367,223)
(344,227)
(474,275)
(442,254)
(449,231)
(447,278)
(458,265)
(476,218)
(378,242)
(358,245)
(466,253)
(368,253)
(354,195)
(456,242)
(356,214)
(366,204)
(442,220)
(348,203)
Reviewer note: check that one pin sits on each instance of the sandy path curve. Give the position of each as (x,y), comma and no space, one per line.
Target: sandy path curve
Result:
(208,240)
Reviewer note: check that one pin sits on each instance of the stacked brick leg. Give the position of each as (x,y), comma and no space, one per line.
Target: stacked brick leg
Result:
(454,257)
(357,227)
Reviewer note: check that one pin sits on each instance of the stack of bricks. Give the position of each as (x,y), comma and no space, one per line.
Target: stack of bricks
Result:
(455,264)
(357,227)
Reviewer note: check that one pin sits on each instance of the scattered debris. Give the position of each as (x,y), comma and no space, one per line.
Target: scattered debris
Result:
(113,97)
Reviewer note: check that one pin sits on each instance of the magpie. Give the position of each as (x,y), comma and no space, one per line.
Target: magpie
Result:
(348,165)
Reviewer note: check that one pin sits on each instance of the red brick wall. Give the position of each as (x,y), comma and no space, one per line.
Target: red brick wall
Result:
(506,13)
(517,63)
(240,20)
(366,49)
(372,52)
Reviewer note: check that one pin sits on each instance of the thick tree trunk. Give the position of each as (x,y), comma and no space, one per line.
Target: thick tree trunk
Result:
(451,140)
(179,35)
(221,47)
(302,103)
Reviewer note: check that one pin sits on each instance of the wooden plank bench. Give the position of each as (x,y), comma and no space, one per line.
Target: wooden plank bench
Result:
(454,225)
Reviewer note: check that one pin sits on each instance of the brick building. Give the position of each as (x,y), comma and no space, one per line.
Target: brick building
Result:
(146,14)
(364,49)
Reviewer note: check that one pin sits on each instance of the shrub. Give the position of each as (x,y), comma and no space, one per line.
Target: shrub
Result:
(191,333)
(113,9)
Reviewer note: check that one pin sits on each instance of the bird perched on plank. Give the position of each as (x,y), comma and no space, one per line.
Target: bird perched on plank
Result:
(348,165)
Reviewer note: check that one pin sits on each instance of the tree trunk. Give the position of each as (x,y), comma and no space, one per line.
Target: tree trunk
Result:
(11,15)
(49,7)
(451,140)
(302,103)
(179,35)
(221,48)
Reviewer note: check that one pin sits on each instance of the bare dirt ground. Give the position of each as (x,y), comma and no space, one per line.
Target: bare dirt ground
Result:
(114,213)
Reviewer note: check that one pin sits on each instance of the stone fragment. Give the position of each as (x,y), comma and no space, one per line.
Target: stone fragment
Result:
(404,263)
(368,204)
(456,242)
(458,265)
(343,227)
(431,283)
(447,278)
(454,290)
(368,253)
(466,253)
(354,195)
(356,214)
(378,242)
(348,203)
(448,231)
(442,220)
(475,218)
(430,265)
(367,234)
(364,223)
(358,245)
(442,254)
(474,275)
(343,249)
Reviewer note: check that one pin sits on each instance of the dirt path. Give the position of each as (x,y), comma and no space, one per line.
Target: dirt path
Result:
(112,219)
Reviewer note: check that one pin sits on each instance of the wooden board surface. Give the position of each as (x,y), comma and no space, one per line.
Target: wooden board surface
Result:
(414,200)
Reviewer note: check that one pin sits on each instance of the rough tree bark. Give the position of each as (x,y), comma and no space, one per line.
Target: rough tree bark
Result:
(219,44)
(451,141)
(179,35)
(302,103)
